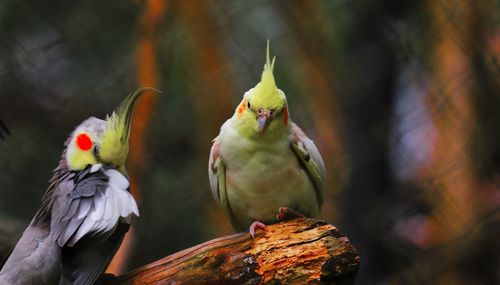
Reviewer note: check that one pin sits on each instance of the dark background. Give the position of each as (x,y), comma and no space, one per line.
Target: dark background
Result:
(401,97)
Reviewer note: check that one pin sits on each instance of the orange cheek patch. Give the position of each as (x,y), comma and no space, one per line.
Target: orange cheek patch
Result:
(84,142)
(285,116)
(242,107)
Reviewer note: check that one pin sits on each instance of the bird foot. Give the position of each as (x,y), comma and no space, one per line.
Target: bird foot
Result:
(256,225)
(285,214)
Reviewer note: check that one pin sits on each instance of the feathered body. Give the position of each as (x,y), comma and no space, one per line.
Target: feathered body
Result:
(90,211)
(261,161)
(86,210)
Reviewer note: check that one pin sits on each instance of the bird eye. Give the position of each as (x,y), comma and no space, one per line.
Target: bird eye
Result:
(248,105)
(96,150)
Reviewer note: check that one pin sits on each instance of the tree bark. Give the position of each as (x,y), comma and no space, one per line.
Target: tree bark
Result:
(300,251)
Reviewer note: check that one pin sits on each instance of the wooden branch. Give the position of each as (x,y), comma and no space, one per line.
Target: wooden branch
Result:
(301,251)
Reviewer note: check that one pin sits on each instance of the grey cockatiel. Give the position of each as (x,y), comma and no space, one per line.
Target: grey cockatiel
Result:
(86,210)
(262,166)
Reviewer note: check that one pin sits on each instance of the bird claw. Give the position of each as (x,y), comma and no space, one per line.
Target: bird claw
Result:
(255,225)
(285,214)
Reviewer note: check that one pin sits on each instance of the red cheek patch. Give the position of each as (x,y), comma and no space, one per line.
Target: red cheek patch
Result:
(242,107)
(84,142)
(285,116)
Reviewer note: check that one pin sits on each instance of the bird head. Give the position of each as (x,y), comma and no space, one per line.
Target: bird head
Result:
(263,110)
(103,141)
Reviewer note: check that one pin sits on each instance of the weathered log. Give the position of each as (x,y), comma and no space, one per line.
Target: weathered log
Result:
(300,251)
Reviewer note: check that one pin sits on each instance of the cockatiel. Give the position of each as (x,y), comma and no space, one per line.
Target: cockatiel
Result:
(86,210)
(262,167)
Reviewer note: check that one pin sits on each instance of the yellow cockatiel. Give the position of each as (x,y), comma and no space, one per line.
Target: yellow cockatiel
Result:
(262,166)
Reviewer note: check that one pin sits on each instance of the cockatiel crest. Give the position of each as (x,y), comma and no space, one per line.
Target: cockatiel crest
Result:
(263,112)
(266,93)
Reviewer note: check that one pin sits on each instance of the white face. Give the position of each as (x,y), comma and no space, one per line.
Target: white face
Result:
(84,143)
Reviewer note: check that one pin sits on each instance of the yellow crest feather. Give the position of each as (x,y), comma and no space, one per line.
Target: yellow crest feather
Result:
(266,92)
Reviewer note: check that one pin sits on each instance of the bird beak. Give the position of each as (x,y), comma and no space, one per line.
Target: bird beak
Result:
(263,117)
(114,146)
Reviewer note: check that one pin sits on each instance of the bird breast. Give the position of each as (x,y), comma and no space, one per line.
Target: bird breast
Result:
(261,177)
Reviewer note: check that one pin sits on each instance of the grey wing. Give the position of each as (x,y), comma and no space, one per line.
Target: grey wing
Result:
(74,201)
(33,250)
(89,222)
(311,159)
(88,259)
(36,247)
(217,177)
(213,168)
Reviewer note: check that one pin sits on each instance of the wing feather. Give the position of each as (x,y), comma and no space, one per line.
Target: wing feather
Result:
(311,159)
(217,177)
(214,162)
(85,262)
(89,210)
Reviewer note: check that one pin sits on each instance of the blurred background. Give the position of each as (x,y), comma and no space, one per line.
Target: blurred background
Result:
(401,97)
